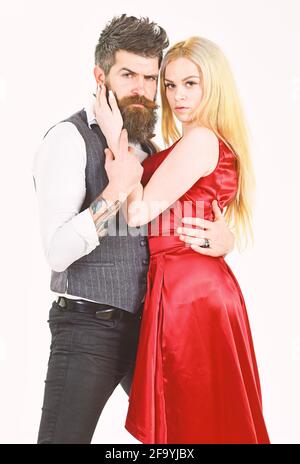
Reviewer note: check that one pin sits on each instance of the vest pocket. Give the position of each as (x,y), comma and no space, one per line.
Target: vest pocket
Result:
(94,264)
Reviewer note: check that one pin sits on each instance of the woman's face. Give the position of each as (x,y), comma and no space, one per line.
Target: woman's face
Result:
(183,88)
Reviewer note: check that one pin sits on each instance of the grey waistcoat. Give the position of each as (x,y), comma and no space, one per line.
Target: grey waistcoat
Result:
(115,272)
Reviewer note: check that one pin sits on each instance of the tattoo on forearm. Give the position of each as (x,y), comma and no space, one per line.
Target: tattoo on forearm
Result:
(109,211)
(97,204)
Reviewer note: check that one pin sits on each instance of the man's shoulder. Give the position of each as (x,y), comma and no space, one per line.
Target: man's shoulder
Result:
(78,117)
(75,119)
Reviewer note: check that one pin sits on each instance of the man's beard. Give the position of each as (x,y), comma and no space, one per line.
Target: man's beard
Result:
(139,121)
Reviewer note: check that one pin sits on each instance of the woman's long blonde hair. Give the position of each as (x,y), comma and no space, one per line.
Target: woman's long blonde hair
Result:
(220,110)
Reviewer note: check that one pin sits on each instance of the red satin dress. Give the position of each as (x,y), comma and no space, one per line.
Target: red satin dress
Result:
(196,378)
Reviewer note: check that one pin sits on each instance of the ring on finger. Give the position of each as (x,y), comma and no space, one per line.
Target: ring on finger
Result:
(206,243)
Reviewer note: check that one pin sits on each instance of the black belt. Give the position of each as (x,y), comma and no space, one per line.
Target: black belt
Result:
(100,311)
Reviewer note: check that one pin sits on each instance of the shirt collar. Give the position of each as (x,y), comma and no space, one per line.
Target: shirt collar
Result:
(89,109)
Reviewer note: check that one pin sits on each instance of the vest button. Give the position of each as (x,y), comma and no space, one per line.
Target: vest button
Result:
(143,242)
(145,261)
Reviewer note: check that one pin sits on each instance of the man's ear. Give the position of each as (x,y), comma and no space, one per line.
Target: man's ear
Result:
(99,75)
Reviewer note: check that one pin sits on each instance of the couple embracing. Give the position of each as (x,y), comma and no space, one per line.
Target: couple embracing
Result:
(157,309)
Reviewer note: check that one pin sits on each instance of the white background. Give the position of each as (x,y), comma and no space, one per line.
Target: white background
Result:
(46,65)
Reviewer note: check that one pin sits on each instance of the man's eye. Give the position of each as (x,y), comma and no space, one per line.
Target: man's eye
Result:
(151,78)
(127,75)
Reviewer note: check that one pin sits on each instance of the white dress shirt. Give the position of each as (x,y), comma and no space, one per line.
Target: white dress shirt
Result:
(59,173)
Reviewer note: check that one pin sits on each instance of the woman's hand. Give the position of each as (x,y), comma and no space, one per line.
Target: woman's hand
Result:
(108,117)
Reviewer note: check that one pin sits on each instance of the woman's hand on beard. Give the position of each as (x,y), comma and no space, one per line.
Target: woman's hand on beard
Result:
(108,117)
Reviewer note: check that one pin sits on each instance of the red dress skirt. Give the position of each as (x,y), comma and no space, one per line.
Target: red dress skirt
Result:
(196,378)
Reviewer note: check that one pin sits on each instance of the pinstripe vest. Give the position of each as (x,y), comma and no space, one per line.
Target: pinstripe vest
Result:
(115,272)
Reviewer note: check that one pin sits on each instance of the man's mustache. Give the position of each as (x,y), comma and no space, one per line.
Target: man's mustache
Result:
(137,100)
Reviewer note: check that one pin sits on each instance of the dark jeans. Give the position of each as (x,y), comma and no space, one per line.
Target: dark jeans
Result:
(89,357)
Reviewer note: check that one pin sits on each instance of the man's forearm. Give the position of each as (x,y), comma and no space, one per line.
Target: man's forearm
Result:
(104,208)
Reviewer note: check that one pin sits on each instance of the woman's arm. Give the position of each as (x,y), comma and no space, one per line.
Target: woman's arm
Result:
(194,156)
(133,199)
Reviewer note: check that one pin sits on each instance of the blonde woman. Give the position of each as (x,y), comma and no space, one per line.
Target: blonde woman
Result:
(196,378)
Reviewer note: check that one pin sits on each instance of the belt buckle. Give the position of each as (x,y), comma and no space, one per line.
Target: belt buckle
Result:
(61,302)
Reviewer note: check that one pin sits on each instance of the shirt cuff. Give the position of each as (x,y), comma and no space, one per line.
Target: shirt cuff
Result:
(85,227)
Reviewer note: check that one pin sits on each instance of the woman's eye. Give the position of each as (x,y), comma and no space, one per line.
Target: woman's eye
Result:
(191,83)
(169,86)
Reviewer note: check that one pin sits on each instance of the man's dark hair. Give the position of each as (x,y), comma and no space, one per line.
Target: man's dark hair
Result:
(134,35)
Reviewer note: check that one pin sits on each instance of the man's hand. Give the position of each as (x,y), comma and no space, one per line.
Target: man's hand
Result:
(220,237)
(124,171)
